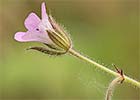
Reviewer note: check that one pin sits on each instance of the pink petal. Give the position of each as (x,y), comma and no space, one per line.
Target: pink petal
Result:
(32,21)
(18,36)
(24,37)
(31,36)
(43,11)
(45,21)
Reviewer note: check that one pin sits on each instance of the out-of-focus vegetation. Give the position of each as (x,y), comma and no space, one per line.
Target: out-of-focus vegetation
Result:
(106,30)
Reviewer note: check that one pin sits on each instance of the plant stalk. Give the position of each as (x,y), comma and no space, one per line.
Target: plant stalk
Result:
(103,68)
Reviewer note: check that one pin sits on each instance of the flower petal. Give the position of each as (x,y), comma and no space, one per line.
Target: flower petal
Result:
(32,21)
(45,19)
(18,36)
(43,11)
(24,37)
(31,36)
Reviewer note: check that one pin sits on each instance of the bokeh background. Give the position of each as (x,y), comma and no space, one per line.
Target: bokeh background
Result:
(105,30)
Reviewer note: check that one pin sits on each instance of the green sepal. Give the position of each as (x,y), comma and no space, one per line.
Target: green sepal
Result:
(47,51)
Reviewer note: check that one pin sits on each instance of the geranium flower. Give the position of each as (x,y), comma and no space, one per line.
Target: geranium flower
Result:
(46,31)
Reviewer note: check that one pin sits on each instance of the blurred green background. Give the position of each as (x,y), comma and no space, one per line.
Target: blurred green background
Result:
(105,30)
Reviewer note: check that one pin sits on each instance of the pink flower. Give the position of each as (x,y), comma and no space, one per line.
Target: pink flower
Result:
(36,28)
(44,30)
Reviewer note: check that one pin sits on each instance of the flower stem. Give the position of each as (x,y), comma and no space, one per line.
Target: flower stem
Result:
(101,67)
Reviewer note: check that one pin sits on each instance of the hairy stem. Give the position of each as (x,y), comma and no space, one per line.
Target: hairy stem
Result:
(101,67)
